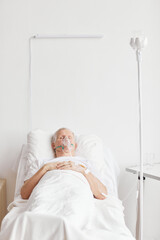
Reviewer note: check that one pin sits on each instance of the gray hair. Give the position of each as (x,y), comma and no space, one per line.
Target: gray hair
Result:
(54,137)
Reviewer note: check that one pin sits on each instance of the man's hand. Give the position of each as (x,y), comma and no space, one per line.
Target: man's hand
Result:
(97,187)
(96,192)
(50,166)
(69,165)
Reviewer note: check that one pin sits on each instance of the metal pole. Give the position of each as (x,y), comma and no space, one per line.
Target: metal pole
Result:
(138,54)
(69,36)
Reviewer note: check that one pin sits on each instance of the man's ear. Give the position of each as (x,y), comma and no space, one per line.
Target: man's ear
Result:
(53,145)
(75,146)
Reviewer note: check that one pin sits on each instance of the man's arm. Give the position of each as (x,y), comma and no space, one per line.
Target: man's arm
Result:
(95,184)
(29,185)
(97,187)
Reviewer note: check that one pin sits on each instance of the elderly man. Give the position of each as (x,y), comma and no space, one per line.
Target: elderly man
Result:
(63,150)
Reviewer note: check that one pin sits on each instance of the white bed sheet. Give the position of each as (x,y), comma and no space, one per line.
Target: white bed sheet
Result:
(110,172)
(61,206)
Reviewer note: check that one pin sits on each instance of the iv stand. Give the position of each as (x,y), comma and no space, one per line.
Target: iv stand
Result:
(138,44)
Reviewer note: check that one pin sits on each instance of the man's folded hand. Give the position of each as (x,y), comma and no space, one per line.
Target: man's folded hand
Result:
(69,165)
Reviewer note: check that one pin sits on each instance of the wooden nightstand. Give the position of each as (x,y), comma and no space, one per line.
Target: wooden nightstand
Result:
(3,205)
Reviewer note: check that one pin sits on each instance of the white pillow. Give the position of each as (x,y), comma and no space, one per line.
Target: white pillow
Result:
(89,146)
(39,144)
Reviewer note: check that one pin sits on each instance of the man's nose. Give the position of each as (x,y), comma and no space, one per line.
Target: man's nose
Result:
(65,137)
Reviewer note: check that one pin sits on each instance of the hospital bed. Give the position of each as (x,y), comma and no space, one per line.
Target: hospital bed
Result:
(104,221)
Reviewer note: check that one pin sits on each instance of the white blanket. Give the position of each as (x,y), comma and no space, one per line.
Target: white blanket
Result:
(62,206)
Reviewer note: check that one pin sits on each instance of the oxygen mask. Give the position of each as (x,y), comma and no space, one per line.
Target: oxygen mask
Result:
(66,145)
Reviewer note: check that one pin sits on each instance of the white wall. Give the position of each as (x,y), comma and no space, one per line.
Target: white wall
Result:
(118,83)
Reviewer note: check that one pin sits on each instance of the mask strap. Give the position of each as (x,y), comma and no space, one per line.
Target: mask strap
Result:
(60,147)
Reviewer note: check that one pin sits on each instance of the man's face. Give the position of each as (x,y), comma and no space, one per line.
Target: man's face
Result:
(59,141)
